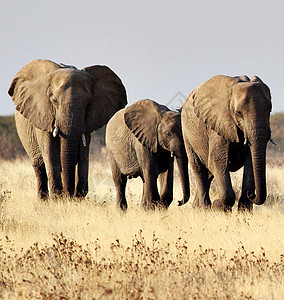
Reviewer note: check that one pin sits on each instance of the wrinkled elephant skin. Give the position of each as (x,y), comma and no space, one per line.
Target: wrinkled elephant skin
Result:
(142,140)
(225,125)
(57,108)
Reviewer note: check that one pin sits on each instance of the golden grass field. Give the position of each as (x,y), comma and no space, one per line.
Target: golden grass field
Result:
(89,250)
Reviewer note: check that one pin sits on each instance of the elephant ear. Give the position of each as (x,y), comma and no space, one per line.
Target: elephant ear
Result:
(29,92)
(211,101)
(143,118)
(109,96)
(265,88)
(242,78)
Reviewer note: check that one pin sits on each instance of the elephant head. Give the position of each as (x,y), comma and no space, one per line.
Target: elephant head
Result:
(157,127)
(67,102)
(238,109)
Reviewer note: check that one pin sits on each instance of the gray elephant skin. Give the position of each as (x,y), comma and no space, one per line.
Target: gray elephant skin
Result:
(142,140)
(226,126)
(57,108)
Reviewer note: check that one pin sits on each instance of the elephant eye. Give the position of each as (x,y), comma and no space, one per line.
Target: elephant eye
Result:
(168,134)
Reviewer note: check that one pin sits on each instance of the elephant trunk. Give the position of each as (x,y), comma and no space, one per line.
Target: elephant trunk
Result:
(182,163)
(71,129)
(69,154)
(258,154)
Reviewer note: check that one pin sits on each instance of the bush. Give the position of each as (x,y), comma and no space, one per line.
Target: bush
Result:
(11,146)
(277,130)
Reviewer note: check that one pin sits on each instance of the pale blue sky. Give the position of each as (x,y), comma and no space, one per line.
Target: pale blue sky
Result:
(158,48)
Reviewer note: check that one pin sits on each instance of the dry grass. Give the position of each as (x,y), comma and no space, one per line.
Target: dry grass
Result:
(89,250)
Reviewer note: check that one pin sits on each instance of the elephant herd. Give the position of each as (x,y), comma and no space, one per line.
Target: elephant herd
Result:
(222,126)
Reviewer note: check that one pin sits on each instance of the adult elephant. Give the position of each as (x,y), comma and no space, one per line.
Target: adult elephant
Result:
(142,140)
(225,125)
(57,108)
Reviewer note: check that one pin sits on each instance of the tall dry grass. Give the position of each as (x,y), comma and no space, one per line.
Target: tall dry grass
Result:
(89,250)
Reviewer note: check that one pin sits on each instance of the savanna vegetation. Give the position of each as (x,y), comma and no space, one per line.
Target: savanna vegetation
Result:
(89,250)
(11,147)
(277,128)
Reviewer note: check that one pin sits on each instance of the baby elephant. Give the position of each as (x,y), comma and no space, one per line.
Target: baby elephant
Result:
(142,140)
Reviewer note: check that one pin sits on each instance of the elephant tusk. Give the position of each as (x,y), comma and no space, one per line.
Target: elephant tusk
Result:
(55,131)
(245,142)
(84,140)
(172,154)
(272,141)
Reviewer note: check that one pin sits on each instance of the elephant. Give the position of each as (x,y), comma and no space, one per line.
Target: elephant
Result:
(57,108)
(142,140)
(225,124)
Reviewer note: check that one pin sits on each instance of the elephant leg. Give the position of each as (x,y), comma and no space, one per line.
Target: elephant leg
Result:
(54,180)
(83,169)
(225,190)
(202,179)
(166,185)
(51,156)
(120,181)
(150,196)
(248,185)
(29,141)
(218,165)
(120,185)
(41,176)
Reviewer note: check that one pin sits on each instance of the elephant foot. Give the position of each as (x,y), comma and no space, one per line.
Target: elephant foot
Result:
(81,194)
(152,205)
(148,207)
(207,204)
(195,202)
(122,206)
(203,204)
(219,205)
(43,196)
(245,206)
(165,201)
(56,197)
(183,201)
